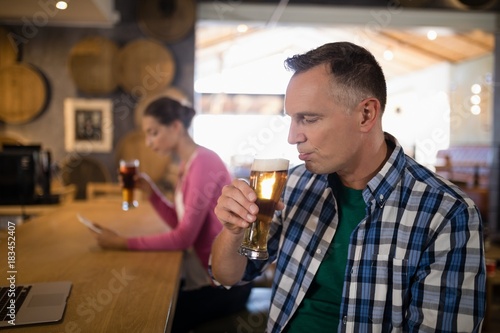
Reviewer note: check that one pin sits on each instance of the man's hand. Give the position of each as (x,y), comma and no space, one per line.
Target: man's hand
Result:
(236,207)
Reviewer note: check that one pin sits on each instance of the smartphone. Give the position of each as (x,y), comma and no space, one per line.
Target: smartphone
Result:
(88,223)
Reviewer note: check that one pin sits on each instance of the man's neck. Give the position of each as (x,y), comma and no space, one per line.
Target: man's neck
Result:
(369,166)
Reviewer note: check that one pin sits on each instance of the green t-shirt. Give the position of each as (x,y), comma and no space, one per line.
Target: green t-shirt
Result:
(320,309)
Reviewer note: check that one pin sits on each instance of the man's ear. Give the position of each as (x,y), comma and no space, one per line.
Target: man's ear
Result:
(370,114)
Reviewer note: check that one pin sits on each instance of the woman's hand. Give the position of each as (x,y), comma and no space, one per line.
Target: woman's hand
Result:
(144,183)
(108,239)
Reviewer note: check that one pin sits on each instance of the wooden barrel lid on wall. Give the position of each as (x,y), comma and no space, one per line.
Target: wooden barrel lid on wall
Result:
(23,93)
(171,92)
(144,67)
(167,20)
(91,65)
(9,51)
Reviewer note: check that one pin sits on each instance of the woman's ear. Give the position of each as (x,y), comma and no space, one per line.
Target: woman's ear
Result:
(177,126)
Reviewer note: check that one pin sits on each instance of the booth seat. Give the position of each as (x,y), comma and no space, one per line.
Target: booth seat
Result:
(466,165)
(469,167)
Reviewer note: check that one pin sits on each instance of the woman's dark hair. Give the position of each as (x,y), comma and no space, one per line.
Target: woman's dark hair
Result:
(166,110)
(354,69)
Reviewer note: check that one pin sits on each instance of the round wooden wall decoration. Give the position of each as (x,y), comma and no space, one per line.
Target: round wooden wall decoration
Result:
(172,92)
(144,67)
(91,65)
(9,51)
(23,93)
(167,20)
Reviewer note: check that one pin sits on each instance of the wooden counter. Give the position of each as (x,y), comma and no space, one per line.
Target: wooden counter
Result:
(113,291)
(28,210)
(66,195)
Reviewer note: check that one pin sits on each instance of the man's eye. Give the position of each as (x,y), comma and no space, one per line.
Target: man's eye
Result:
(310,120)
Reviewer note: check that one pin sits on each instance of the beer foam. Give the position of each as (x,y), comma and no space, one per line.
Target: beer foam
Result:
(275,164)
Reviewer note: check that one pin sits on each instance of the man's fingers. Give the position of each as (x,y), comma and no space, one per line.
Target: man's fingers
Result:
(243,194)
(247,191)
(230,211)
(236,207)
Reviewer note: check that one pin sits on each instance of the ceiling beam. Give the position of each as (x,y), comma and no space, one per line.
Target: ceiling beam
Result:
(81,13)
(370,18)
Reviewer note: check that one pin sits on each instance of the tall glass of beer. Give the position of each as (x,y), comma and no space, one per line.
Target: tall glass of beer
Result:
(128,170)
(267,178)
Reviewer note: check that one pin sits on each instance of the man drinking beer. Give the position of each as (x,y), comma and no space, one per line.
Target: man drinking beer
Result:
(365,239)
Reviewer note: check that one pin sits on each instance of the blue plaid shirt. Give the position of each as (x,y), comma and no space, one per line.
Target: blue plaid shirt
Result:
(415,262)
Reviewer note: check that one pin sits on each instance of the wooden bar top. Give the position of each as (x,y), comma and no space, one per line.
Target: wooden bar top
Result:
(29,210)
(113,291)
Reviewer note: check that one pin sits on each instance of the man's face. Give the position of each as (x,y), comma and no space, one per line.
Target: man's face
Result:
(326,135)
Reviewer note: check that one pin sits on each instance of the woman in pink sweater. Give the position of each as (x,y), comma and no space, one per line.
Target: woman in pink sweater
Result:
(191,215)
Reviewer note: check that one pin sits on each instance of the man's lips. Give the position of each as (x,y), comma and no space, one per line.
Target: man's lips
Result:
(304,156)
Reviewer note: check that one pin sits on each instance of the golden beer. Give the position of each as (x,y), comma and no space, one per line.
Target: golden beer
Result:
(267,178)
(128,170)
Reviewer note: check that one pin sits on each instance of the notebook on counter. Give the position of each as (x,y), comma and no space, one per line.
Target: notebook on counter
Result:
(35,303)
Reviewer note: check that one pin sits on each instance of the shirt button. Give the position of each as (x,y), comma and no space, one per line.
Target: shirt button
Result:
(381,197)
(318,251)
(344,320)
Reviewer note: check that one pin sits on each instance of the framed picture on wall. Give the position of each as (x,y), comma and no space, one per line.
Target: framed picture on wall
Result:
(88,125)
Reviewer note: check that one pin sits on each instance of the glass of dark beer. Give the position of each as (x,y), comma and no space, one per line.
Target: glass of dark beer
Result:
(128,170)
(267,178)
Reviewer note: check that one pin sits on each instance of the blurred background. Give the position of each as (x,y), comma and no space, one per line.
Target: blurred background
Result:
(75,78)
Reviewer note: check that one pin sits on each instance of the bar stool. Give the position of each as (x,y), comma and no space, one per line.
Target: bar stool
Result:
(81,171)
(103,189)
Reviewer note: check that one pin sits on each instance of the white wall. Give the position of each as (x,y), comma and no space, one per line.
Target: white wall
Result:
(422,123)
(434,108)
(244,136)
(467,128)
